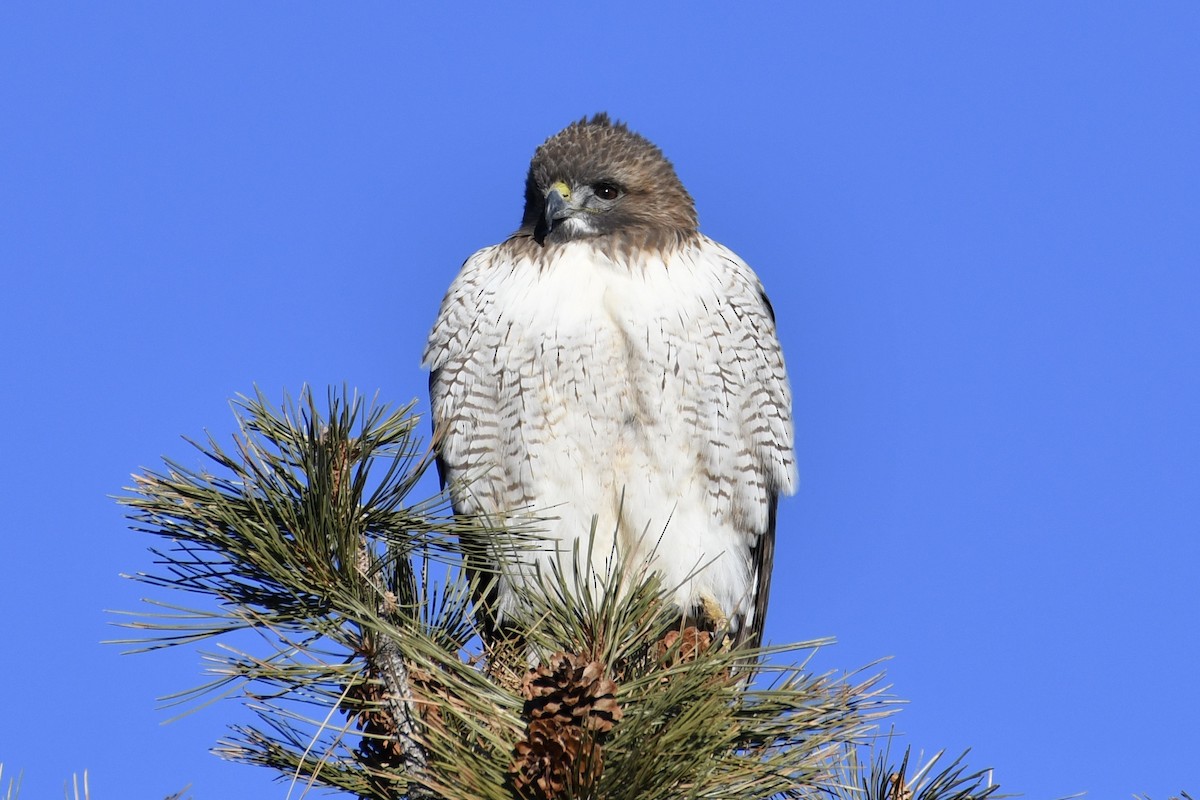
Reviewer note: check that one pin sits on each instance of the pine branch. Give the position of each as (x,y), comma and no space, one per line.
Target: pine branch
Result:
(372,679)
(872,773)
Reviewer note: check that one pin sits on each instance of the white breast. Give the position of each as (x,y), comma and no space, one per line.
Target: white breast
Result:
(613,424)
(647,399)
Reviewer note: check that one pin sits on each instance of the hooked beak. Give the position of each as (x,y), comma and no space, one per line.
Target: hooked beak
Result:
(557,205)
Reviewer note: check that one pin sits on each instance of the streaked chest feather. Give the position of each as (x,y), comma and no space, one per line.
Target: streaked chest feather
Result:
(603,350)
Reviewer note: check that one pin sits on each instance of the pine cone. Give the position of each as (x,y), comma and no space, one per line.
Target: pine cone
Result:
(569,690)
(570,706)
(428,692)
(378,748)
(680,647)
(365,703)
(555,760)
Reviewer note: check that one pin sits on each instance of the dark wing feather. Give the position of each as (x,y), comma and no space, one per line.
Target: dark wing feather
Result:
(762,556)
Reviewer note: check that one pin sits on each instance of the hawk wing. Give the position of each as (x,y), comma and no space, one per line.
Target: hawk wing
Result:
(745,418)
(478,382)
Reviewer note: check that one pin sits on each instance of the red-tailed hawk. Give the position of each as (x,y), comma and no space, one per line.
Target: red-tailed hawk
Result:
(610,364)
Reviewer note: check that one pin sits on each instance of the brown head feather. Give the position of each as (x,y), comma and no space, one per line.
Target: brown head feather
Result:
(653,212)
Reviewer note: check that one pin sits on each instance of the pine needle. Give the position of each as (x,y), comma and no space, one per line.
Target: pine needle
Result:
(330,589)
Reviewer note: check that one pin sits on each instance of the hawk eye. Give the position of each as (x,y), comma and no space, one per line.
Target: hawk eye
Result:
(606,191)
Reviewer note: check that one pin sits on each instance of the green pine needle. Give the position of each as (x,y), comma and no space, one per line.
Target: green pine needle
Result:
(343,612)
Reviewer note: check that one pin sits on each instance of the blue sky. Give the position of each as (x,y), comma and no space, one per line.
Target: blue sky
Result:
(979,225)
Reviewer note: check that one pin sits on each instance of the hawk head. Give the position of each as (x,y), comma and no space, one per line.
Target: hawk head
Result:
(598,180)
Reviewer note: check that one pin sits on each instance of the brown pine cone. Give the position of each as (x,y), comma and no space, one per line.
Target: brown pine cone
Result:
(570,690)
(554,759)
(378,747)
(690,643)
